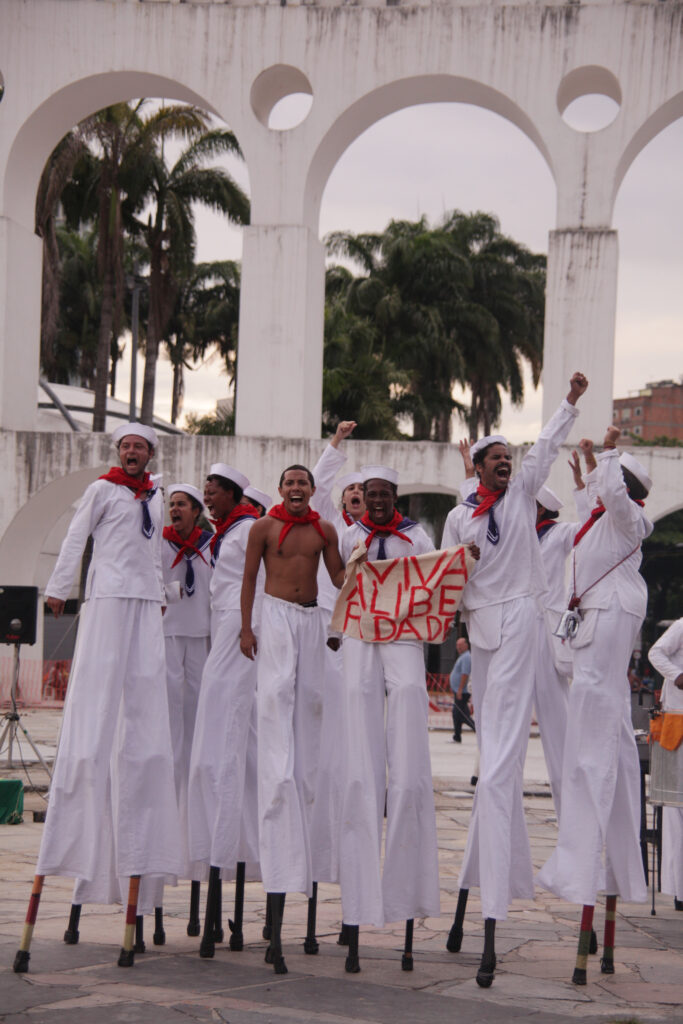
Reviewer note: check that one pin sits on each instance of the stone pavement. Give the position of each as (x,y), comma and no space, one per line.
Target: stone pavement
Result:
(536,945)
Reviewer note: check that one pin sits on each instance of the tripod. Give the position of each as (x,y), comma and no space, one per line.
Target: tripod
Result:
(12,721)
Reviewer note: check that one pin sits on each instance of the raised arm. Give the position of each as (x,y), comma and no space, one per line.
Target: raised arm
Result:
(326,469)
(256,546)
(624,513)
(540,457)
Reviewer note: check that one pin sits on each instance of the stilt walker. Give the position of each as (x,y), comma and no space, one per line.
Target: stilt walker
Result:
(222,815)
(598,846)
(384,731)
(289,541)
(500,610)
(118,672)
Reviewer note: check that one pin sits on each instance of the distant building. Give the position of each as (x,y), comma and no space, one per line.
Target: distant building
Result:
(653,412)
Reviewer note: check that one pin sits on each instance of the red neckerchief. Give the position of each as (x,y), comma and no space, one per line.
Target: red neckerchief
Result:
(240,511)
(390,527)
(186,546)
(488,499)
(596,513)
(116,475)
(347,518)
(544,522)
(310,517)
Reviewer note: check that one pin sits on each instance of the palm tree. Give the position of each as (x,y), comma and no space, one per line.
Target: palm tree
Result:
(205,318)
(169,232)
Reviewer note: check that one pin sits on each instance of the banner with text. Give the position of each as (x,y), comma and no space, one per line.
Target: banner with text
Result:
(410,598)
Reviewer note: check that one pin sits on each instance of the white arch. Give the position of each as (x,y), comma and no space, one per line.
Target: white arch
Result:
(664,116)
(52,119)
(398,95)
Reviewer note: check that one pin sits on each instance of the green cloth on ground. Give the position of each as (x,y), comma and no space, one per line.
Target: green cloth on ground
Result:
(11,801)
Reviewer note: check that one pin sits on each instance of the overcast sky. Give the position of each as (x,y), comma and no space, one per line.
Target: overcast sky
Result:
(430,159)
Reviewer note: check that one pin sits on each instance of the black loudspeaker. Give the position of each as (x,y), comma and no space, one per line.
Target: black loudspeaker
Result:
(18,614)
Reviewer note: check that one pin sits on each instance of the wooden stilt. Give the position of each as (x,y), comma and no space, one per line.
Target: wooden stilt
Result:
(236,934)
(274,952)
(487,967)
(207,947)
(607,960)
(71,935)
(310,942)
(159,937)
(579,976)
(127,954)
(352,965)
(268,924)
(407,958)
(193,926)
(454,940)
(23,954)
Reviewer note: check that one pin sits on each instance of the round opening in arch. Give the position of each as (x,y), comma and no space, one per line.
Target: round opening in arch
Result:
(281,97)
(589,98)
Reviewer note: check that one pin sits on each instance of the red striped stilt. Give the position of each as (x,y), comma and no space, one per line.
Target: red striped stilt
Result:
(579,976)
(127,954)
(23,955)
(607,959)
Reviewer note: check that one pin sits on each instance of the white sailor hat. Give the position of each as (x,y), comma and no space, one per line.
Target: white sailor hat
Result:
(630,462)
(260,496)
(484,442)
(548,499)
(190,489)
(342,482)
(135,430)
(222,469)
(378,473)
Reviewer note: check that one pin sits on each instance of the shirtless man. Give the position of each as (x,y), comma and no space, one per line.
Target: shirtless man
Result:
(290,541)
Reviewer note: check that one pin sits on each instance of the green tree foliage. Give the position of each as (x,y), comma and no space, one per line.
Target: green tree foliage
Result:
(455,304)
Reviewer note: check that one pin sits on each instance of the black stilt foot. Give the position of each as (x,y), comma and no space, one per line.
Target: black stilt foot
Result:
(593,948)
(218,919)
(193,926)
(352,965)
(407,958)
(139,946)
(274,952)
(343,937)
(606,965)
(207,947)
(72,934)
(236,935)
(579,976)
(311,945)
(678,904)
(487,967)
(126,957)
(159,937)
(21,960)
(454,940)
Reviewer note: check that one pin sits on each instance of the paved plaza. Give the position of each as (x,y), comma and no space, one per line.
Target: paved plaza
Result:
(536,945)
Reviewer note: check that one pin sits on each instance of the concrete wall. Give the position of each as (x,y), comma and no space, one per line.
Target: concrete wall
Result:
(62,59)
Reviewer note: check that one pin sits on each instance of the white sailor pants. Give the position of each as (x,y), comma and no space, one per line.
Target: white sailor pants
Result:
(223,733)
(119,665)
(598,847)
(550,698)
(290,680)
(497,855)
(386,756)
